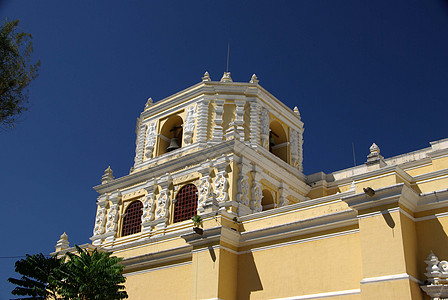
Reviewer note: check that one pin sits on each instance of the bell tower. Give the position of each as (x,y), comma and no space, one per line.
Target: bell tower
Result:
(218,147)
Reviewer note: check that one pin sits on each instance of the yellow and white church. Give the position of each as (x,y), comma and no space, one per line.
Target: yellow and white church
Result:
(231,153)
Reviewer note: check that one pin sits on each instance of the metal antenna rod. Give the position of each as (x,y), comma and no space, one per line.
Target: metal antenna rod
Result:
(228,54)
(354,159)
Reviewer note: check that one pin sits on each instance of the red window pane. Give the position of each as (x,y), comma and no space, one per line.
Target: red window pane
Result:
(132,222)
(186,203)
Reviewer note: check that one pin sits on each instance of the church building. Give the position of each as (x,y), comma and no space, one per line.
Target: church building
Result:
(229,155)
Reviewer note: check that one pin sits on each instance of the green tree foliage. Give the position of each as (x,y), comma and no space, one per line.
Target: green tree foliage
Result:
(82,275)
(38,274)
(94,275)
(16,72)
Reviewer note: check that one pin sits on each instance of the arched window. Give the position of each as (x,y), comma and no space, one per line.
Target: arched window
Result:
(171,135)
(132,222)
(278,141)
(186,203)
(267,202)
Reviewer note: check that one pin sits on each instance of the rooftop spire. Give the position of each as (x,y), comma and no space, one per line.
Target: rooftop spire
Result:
(206,77)
(226,77)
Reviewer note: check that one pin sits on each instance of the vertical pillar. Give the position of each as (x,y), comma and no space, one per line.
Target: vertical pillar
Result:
(163,203)
(206,197)
(254,124)
(112,216)
(140,142)
(189,124)
(221,181)
(257,192)
(388,243)
(265,128)
(149,206)
(243,188)
(100,220)
(217,129)
(202,121)
(294,142)
(151,139)
(239,118)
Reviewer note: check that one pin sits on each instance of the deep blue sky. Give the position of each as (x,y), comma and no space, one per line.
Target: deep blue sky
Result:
(359,71)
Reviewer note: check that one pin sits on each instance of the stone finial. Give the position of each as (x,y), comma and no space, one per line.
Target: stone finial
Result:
(374,149)
(226,77)
(374,157)
(108,175)
(148,103)
(297,112)
(254,79)
(206,77)
(62,243)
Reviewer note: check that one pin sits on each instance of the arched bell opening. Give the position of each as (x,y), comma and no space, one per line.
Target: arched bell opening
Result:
(267,202)
(170,137)
(278,141)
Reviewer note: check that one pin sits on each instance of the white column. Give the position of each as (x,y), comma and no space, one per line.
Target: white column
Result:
(206,199)
(243,188)
(202,121)
(239,118)
(257,192)
(265,128)
(221,181)
(217,129)
(149,206)
(254,123)
(162,215)
(190,121)
(100,220)
(140,143)
(112,216)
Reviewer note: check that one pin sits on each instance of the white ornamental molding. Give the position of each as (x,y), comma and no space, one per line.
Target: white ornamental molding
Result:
(150,139)
(222,186)
(148,208)
(265,128)
(140,143)
(436,286)
(163,204)
(243,184)
(294,142)
(202,121)
(217,129)
(100,222)
(112,219)
(254,123)
(190,121)
(206,196)
(239,118)
(257,195)
(282,195)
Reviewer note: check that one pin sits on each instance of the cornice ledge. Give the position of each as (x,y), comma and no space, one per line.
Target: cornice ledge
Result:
(156,258)
(173,165)
(399,193)
(210,236)
(438,153)
(292,207)
(433,200)
(329,221)
(430,175)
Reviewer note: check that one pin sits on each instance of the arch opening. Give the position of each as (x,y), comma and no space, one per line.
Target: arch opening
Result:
(171,134)
(186,203)
(267,202)
(278,141)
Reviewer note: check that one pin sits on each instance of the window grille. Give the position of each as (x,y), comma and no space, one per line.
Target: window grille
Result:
(132,222)
(186,203)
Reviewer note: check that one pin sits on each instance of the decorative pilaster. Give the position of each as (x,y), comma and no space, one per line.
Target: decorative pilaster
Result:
(190,121)
(265,128)
(301,151)
(149,206)
(112,216)
(294,142)
(243,188)
(239,118)
(163,203)
(202,122)
(217,129)
(254,124)
(140,142)
(100,220)
(150,139)
(282,195)
(257,192)
(221,181)
(206,197)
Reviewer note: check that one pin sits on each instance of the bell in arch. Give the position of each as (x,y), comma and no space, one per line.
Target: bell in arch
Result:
(174,144)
